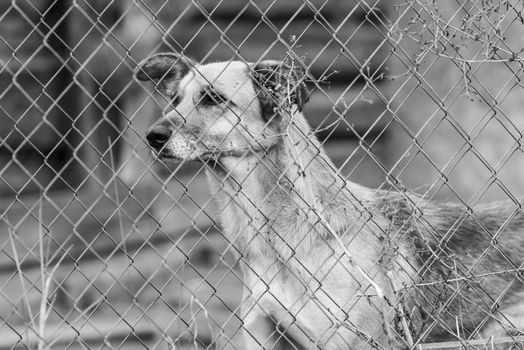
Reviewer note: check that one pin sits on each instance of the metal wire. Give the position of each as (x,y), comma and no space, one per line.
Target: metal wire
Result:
(106,247)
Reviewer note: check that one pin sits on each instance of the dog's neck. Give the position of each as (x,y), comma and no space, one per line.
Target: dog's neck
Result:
(283,190)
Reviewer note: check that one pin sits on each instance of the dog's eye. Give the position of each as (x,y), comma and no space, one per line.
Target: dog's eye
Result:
(210,97)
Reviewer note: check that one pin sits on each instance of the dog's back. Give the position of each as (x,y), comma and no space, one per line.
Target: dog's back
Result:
(468,263)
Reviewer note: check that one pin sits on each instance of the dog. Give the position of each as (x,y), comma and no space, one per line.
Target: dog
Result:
(327,263)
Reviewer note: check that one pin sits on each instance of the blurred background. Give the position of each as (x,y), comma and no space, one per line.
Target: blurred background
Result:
(102,248)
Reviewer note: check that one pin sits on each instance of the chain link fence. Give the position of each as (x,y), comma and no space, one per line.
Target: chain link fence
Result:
(105,247)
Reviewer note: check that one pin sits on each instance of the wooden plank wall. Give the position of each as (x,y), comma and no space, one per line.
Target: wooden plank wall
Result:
(36,130)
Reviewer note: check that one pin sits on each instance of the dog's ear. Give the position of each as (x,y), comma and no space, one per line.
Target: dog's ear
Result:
(165,70)
(278,84)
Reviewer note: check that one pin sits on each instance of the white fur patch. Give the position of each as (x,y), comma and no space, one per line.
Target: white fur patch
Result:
(181,148)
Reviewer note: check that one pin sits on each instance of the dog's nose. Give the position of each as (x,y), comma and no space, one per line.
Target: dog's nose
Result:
(158,136)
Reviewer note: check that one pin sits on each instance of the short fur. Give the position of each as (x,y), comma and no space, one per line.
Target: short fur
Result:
(311,242)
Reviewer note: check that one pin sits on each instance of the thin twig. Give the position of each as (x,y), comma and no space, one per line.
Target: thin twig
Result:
(45,293)
(401,311)
(25,290)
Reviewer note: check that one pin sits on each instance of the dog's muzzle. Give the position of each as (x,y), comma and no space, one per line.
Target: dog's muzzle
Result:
(158,136)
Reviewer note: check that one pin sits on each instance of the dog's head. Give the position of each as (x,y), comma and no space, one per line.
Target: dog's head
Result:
(220,109)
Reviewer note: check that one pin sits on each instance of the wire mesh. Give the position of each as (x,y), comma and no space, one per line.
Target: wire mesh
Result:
(348,174)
